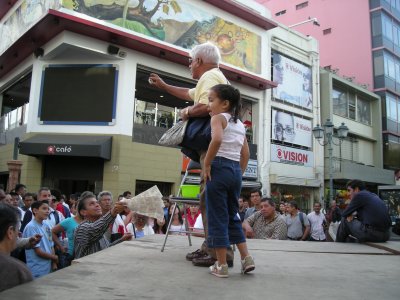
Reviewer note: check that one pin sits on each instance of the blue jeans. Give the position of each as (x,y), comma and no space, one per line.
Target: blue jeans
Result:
(222,195)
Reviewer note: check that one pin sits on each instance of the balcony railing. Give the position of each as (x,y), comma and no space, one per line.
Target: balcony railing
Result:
(14,119)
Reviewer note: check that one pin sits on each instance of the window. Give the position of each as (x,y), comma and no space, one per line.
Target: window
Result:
(396,35)
(390,29)
(376,21)
(279,13)
(301,5)
(363,111)
(391,108)
(14,106)
(339,99)
(387,27)
(350,105)
(391,70)
(379,63)
(327,31)
(156,108)
(389,66)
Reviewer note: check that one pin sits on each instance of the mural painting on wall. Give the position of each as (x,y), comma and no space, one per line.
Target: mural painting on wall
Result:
(22,19)
(179,23)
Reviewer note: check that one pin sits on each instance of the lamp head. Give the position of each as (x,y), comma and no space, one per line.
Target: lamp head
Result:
(343,130)
(318,132)
(328,127)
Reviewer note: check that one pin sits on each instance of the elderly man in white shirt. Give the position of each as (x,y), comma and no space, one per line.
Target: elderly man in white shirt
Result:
(318,224)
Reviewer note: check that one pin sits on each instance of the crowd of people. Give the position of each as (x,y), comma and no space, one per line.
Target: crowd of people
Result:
(41,233)
(44,231)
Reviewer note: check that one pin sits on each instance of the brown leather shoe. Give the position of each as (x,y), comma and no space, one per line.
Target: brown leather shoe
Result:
(207,261)
(196,254)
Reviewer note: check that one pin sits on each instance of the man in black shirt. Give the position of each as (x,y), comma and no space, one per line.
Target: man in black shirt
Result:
(372,221)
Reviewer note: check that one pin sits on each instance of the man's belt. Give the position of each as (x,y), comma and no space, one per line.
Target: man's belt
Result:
(294,239)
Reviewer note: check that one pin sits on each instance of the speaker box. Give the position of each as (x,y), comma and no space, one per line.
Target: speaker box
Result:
(112,49)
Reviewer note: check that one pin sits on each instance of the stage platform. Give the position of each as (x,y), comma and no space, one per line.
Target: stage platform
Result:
(286,270)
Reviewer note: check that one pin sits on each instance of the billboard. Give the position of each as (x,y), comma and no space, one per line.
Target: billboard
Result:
(294,81)
(289,128)
(292,156)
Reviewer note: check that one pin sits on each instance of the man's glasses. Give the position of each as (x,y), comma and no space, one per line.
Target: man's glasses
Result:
(191,60)
(287,130)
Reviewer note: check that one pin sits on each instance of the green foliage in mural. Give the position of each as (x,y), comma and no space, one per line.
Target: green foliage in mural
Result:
(139,27)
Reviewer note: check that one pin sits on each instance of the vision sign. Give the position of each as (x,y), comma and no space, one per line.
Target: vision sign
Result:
(292,156)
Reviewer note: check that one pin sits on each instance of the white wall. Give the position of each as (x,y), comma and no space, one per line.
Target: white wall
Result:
(304,49)
(91,51)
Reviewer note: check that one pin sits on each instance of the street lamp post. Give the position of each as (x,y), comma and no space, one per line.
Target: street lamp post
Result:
(327,131)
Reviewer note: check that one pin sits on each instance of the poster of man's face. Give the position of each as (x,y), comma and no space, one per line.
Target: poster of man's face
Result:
(294,81)
(284,127)
(291,129)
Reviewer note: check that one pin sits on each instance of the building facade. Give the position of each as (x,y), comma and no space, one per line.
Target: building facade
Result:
(74,90)
(293,160)
(359,155)
(74,87)
(371,60)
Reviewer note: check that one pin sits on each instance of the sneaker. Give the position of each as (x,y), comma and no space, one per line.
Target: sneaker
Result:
(207,261)
(219,271)
(248,264)
(196,254)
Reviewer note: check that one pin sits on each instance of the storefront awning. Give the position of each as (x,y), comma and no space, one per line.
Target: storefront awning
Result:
(67,145)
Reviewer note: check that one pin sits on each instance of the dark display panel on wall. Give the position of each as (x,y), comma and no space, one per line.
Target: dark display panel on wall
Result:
(78,94)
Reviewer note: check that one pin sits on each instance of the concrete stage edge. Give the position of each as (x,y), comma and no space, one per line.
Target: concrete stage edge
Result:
(284,270)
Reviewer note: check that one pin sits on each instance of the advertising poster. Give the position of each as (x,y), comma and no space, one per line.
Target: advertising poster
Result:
(294,81)
(292,156)
(289,128)
(251,171)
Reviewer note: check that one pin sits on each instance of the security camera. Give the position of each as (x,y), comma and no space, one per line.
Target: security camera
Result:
(316,23)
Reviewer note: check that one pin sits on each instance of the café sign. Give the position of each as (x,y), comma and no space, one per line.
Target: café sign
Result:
(52,149)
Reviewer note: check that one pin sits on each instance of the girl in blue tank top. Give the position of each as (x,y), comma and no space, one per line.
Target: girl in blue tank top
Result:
(224,164)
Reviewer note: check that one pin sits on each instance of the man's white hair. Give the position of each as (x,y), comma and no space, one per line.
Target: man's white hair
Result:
(208,52)
(104,193)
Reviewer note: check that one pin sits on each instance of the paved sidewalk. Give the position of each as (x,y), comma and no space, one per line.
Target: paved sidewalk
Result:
(284,270)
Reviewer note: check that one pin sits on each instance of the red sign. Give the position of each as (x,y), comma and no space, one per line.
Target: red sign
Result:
(51,149)
(289,155)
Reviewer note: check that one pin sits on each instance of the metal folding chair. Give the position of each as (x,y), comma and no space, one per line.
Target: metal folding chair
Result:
(192,166)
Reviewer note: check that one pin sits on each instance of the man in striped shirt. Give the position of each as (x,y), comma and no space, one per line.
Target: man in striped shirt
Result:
(266,223)
(89,235)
